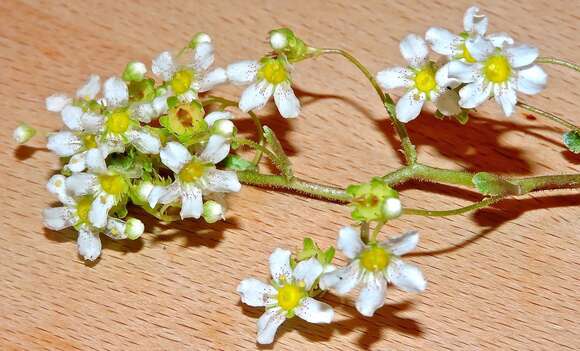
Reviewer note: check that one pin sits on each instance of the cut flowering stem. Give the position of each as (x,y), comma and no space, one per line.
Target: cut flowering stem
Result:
(559,62)
(548,115)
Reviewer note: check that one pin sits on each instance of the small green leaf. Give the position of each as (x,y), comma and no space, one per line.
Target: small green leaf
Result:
(238,163)
(490,184)
(572,141)
(309,250)
(329,255)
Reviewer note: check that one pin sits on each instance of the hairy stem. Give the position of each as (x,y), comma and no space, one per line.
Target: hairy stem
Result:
(548,115)
(559,62)
(443,213)
(408,147)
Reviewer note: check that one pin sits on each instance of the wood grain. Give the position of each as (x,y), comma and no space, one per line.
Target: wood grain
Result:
(500,279)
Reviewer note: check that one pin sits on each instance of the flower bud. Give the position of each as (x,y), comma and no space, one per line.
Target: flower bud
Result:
(213,211)
(278,40)
(198,39)
(392,208)
(134,71)
(223,127)
(23,133)
(134,228)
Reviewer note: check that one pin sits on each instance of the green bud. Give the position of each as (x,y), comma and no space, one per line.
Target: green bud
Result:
(572,141)
(224,127)
(134,228)
(134,71)
(23,133)
(199,38)
(369,201)
(213,211)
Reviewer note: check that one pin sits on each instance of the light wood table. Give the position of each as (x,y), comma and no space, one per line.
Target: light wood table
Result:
(500,279)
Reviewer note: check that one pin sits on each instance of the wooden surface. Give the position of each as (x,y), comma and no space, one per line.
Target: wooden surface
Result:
(502,279)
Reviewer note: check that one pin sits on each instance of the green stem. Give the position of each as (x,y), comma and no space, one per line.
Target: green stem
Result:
(430,213)
(258,124)
(408,147)
(565,181)
(556,61)
(548,115)
(376,231)
(262,149)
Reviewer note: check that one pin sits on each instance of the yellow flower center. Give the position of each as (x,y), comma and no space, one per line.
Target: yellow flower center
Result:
(192,171)
(113,184)
(181,81)
(425,79)
(89,141)
(118,122)
(290,295)
(497,69)
(467,55)
(274,71)
(83,208)
(375,259)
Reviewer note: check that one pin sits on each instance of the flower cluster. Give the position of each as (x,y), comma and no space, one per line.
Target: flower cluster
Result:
(474,67)
(143,142)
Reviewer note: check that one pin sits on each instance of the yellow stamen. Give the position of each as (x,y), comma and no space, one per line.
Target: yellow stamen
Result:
(425,79)
(192,171)
(181,81)
(467,55)
(274,71)
(89,141)
(375,258)
(497,69)
(83,208)
(118,122)
(289,296)
(113,184)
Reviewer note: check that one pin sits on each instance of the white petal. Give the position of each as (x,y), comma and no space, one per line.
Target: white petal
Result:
(100,210)
(242,72)
(57,185)
(71,117)
(116,229)
(95,161)
(64,144)
(443,41)
(342,280)
(91,88)
(163,66)
(308,271)
(256,96)
(473,22)
(280,264)
(395,77)
(268,325)
(116,92)
(77,163)
(111,145)
(203,56)
(409,105)
(212,79)
(144,142)
(144,112)
(506,97)
(216,149)
(58,218)
(479,48)
(521,55)
(255,293)
(314,311)
(175,156)
(474,94)
(219,181)
(371,296)
(406,276)
(191,201)
(287,103)
(89,244)
(56,102)
(444,80)
(532,80)
(414,50)
(402,244)
(448,103)
(160,105)
(462,71)
(92,122)
(499,40)
(80,184)
(211,118)
(163,194)
(349,242)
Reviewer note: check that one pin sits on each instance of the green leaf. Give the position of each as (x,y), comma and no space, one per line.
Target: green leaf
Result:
(572,141)
(282,162)
(309,250)
(238,163)
(490,184)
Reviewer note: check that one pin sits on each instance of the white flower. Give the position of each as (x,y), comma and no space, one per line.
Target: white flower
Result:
(75,212)
(422,81)
(57,102)
(454,46)
(270,76)
(105,189)
(498,73)
(373,266)
(121,128)
(185,81)
(287,296)
(194,176)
